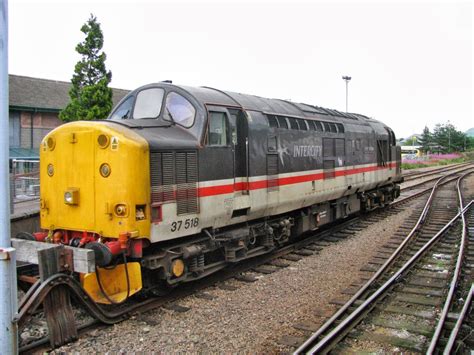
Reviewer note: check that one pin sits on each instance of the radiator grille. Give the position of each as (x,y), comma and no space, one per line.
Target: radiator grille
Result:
(156,177)
(272,172)
(174,177)
(162,177)
(186,182)
(340,147)
(328,169)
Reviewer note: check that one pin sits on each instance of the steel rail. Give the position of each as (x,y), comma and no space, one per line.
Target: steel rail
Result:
(456,274)
(459,321)
(330,322)
(101,315)
(414,186)
(347,322)
(419,175)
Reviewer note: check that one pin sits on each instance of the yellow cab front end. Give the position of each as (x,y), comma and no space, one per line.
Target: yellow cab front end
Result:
(95,193)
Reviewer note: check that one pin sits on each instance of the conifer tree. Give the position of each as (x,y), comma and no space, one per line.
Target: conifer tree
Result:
(91,98)
(425,140)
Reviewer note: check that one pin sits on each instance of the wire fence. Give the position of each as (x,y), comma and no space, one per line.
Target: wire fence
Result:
(24,185)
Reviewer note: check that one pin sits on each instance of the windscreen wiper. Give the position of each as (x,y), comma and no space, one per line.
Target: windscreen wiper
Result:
(171,116)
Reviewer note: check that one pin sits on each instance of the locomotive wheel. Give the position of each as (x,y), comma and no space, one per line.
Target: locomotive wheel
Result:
(162,289)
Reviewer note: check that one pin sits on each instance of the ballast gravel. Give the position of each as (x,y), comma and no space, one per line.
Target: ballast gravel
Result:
(257,315)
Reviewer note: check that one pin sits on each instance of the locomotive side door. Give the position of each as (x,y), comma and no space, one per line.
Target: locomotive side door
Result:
(240,146)
(239,137)
(228,150)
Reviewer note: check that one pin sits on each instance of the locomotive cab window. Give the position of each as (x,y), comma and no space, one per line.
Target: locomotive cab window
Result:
(179,110)
(217,129)
(148,103)
(123,111)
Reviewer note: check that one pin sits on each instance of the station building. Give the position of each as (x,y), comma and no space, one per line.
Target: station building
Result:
(34,106)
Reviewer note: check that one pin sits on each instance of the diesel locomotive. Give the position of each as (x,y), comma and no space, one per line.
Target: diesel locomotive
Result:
(180,182)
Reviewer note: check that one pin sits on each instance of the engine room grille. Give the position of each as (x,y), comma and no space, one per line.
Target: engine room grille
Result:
(328,169)
(186,182)
(272,172)
(162,177)
(174,177)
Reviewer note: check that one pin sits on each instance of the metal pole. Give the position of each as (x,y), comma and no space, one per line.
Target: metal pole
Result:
(449,136)
(347,95)
(8,297)
(347,79)
(449,140)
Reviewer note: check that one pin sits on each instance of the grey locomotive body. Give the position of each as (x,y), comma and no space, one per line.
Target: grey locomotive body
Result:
(234,176)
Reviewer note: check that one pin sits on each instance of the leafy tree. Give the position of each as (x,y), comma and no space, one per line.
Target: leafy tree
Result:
(91,98)
(448,138)
(425,140)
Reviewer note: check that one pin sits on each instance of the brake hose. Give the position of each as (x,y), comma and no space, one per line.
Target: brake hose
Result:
(127,277)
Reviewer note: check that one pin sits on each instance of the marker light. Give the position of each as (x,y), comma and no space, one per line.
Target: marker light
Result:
(51,143)
(50,170)
(103,141)
(105,170)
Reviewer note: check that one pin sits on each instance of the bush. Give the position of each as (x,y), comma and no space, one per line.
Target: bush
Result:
(434,160)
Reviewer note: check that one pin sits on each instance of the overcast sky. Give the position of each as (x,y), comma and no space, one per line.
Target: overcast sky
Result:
(411,63)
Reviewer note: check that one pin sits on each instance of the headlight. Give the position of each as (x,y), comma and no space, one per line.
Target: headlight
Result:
(71,196)
(105,170)
(68,197)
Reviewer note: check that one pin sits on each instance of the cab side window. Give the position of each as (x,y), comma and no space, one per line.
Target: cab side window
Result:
(217,129)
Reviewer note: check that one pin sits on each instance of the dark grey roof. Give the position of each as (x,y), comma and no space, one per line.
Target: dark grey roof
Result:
(35,93)
(210,95)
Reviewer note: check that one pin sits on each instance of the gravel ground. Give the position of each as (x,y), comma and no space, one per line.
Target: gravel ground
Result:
(256,315)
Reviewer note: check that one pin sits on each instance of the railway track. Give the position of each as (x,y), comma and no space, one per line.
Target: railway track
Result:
(426,182)
(398,308)
(281,258)
(418,175)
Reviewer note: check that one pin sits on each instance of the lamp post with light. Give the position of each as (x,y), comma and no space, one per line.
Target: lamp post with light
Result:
(347,79)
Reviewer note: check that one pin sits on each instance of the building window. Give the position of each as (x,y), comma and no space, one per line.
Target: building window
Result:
(14,129)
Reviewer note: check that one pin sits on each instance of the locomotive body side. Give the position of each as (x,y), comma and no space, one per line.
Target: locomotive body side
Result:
(199,178)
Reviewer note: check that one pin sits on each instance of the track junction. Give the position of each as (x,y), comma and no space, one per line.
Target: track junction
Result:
(310,244)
